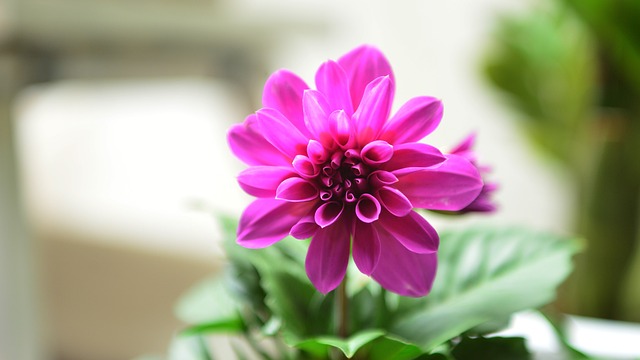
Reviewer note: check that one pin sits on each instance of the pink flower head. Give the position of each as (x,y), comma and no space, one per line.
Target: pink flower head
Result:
(329,164)
(483,203)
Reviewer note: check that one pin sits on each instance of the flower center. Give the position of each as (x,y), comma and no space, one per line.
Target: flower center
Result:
(344,177)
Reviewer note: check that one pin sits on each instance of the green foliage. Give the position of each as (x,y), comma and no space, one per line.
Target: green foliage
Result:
(545,65)
(484,275)
(496,348)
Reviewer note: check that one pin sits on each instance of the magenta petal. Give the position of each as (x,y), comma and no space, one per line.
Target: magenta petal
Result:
(332,81)
(283,92)
(249,145)
(366,247)
(362,65)
(281,133)
(328,213)
(465,148)
(414,155)
(380,178)
(416,119)
(402,271)
(376,152)
(266,221)
(483,203)
(368,208)
(394,201)
(412,231)
(341,129)
(316,152)
(305,228)
(449,186)
(374,109)
(305,167)
(262,181)
(328,257)
(316,114)
(296,189)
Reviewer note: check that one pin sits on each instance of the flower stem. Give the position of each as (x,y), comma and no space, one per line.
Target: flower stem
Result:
(342,307)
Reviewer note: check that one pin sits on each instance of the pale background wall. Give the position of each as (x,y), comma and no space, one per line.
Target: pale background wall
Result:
(111,168)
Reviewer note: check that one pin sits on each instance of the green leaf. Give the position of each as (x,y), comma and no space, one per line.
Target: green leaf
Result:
(303,310)
(209,306)
(349,346)
(494,348)
(389,347)
(485,275)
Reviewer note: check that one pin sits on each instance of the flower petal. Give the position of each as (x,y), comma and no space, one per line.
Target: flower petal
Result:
(317,153)
(296,189)
(450,186)
(341,129)
(366,247)
(281,133)
(374,109)
(249,145)
(328,257)
(368,208)
(394,201)
(332,81)
(376,152)
(483,203)
(465,148)
(316,115)
(362,65)
(416,119)
(305,167)
(283,92)
(262,181)
(267,221)
(414,155)
(328,213)
(412,231)
(380,178)
(305,228)
(402,271)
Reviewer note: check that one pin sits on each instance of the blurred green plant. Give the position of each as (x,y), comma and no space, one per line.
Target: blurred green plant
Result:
(265,301)
(572,69)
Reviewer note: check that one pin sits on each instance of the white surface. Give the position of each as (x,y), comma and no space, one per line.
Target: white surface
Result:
(612,340)
(125,161)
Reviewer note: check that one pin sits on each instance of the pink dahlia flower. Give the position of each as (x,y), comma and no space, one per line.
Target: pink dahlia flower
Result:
(329,164)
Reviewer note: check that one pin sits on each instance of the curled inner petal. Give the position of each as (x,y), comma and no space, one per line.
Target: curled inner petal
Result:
(376,152)
(368,208)
(305,167)
(394,201)
(380,178)
(328,213)
(341,129)
(296,189)
(316,152)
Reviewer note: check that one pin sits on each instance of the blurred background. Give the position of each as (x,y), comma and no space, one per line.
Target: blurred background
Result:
(113,117)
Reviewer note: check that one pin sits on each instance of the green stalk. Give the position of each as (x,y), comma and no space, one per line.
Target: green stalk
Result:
(342,306)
